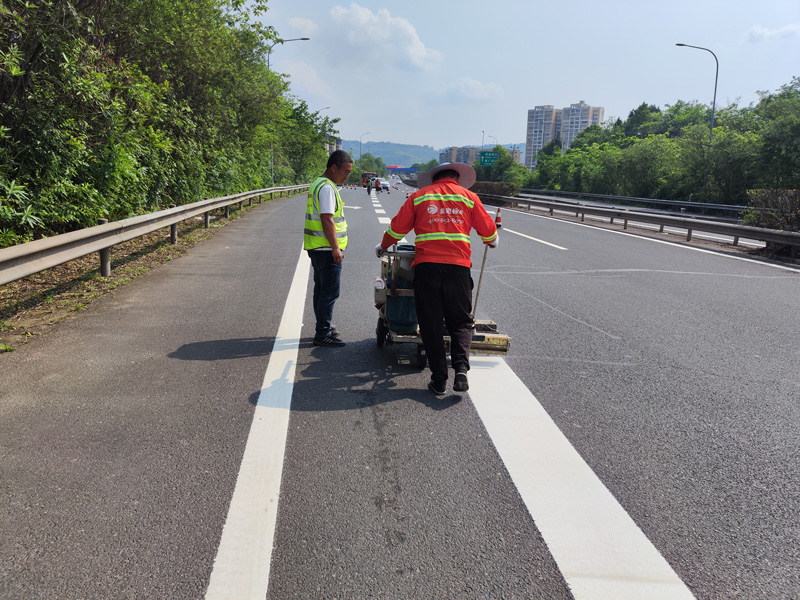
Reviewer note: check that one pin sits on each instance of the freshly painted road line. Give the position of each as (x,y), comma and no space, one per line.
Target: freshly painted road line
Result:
(600,551)
(534,239)
(241,568)
(379,211)
(384,220)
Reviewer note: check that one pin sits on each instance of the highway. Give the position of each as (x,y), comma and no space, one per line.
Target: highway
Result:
(183,438)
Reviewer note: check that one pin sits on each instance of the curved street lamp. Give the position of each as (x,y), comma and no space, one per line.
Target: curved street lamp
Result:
(496,143)
(716,76)
(269,51)
(359,147)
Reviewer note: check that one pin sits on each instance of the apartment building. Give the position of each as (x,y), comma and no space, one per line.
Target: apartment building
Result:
(546,123)
(466,154)
(332,144)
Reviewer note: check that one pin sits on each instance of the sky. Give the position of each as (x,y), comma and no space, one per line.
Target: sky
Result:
(445,73)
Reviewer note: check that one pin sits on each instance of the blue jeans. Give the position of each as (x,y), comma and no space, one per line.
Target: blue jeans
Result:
(327,275)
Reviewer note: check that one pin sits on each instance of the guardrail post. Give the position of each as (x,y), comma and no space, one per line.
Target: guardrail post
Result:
(551,211)
(612,220)
(105,256)
(625,224)
(736,240)
(688,235)
(583,217)
(250,201)
(228,211)
(661,229)
(173,231)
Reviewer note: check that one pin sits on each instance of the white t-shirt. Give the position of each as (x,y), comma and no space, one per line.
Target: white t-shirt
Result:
(327,205)
(327,200)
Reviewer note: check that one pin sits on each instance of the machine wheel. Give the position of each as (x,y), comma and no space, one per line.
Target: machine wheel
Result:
(381,332)
(422,357)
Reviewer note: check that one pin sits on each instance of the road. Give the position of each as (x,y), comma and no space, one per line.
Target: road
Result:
(182,438)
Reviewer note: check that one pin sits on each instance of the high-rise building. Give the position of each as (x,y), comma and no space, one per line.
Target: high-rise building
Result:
(546,123)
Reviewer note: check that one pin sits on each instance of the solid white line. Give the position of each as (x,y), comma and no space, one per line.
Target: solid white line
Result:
(241,568)
(599,549)
(534,239)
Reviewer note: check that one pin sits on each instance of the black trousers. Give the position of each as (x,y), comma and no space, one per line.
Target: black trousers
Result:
(443,299)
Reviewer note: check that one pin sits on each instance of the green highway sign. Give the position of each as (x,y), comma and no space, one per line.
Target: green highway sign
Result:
(489,157)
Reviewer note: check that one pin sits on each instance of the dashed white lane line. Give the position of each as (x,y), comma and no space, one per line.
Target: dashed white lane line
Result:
(384,220)
(380,211)
(241,568)
(534,239)
(599,549)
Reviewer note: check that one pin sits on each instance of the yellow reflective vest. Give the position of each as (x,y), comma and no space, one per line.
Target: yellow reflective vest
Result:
(313,235)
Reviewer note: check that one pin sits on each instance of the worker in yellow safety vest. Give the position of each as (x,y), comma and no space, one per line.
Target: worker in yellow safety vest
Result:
(325,239)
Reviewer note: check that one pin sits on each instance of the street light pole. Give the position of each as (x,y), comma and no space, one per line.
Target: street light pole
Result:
(269,51)
(483,133)
(713,107)
(496,143)
(716,77)
(359,146)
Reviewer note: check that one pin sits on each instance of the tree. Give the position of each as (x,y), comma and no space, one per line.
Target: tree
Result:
(116,107)
(643,120)
(504,169)
(779,119)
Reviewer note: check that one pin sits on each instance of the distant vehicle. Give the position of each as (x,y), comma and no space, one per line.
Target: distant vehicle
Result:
(384,185)
(367,176)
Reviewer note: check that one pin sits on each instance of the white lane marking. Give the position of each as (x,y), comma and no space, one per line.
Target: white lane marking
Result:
(598,548)
(534,239)
(384,220)
(241,568)
(668,243)
(380,211)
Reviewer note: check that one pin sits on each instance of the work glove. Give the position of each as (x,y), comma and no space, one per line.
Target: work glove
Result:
(494,242)
(379,250)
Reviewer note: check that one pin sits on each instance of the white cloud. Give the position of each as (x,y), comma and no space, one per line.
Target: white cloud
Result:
(380,40)
(760,33)
(305,77)
(477,90)
(304,27)
(466,91)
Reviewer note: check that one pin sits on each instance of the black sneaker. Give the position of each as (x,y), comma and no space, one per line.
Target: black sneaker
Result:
(438,388)
(328,340)
(460,383)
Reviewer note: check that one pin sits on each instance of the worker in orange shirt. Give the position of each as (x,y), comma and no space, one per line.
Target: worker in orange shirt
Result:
(442,213)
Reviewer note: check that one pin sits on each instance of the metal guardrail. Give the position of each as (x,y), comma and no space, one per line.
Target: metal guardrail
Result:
(26,259)
(790,238)
(646,201)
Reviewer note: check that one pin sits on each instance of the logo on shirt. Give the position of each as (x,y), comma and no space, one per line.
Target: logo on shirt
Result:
(432,210)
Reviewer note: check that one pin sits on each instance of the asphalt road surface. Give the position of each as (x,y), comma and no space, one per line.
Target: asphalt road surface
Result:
(182,438)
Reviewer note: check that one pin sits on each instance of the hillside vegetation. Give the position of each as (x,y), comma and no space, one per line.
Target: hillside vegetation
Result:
(117,107)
